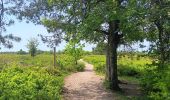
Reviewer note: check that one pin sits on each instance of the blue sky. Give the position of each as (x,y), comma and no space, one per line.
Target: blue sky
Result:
(27,31)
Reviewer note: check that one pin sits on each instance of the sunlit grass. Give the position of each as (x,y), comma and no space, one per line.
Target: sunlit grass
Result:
(127,65)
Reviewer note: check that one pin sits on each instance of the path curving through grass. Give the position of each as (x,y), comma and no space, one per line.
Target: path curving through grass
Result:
(86,86)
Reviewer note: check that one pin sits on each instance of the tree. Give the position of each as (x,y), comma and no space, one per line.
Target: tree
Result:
(32,46)
(161,20)
(53,40)
(86,23)
(6,40)
(75,50)
(93,21)
(156,26)
(156,22)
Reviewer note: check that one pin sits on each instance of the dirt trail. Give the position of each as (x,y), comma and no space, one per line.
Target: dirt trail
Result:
(86,86)
(89,86)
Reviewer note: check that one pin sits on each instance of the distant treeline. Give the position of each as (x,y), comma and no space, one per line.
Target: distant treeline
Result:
(22,52)
(96,52)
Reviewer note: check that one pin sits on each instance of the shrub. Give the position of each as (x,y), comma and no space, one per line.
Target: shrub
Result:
(43,82)
(100,68)
(29,83)
(128,70)
(53,71)
(80,66)
(155,83)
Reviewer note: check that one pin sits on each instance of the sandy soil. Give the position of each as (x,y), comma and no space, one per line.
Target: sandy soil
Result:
(89,86)
(86,86)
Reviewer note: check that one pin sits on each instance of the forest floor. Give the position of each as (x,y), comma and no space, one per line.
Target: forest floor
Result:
(87,85)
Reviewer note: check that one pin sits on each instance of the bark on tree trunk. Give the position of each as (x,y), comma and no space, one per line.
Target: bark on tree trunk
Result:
(111,57)
(161,46)
(108,77)
(161,43)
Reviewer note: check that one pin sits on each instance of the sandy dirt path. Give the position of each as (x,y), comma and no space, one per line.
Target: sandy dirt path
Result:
(86,86)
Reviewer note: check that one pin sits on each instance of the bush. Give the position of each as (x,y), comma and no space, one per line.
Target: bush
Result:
(128,70)
(29,83)
(80,66)
(53,71)
(100,68)
(155,83)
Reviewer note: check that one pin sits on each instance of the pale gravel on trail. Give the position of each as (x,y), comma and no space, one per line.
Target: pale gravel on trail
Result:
(86,86)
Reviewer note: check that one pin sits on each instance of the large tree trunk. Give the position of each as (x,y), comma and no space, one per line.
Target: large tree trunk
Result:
(111,63)
(161,43)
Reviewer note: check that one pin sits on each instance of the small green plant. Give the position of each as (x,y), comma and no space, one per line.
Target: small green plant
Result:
(75,50)
(80,66)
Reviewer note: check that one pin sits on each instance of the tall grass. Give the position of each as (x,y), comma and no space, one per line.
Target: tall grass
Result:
(128,66)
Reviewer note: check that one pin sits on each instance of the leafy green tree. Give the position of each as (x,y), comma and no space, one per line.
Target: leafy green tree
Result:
(75,50)
(88,26)
(159,18)
(152,16)
(155,25)
(32,46)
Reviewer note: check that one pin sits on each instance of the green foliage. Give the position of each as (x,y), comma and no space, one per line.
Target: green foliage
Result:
(29,83)
(65,63)
(5,20)
(32,46)
(87,53)
(155,83)
(100,48)
(75,50)
(156,23)
(98,61)
(80,66)
(132,65)
(34,78)
(127,66)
